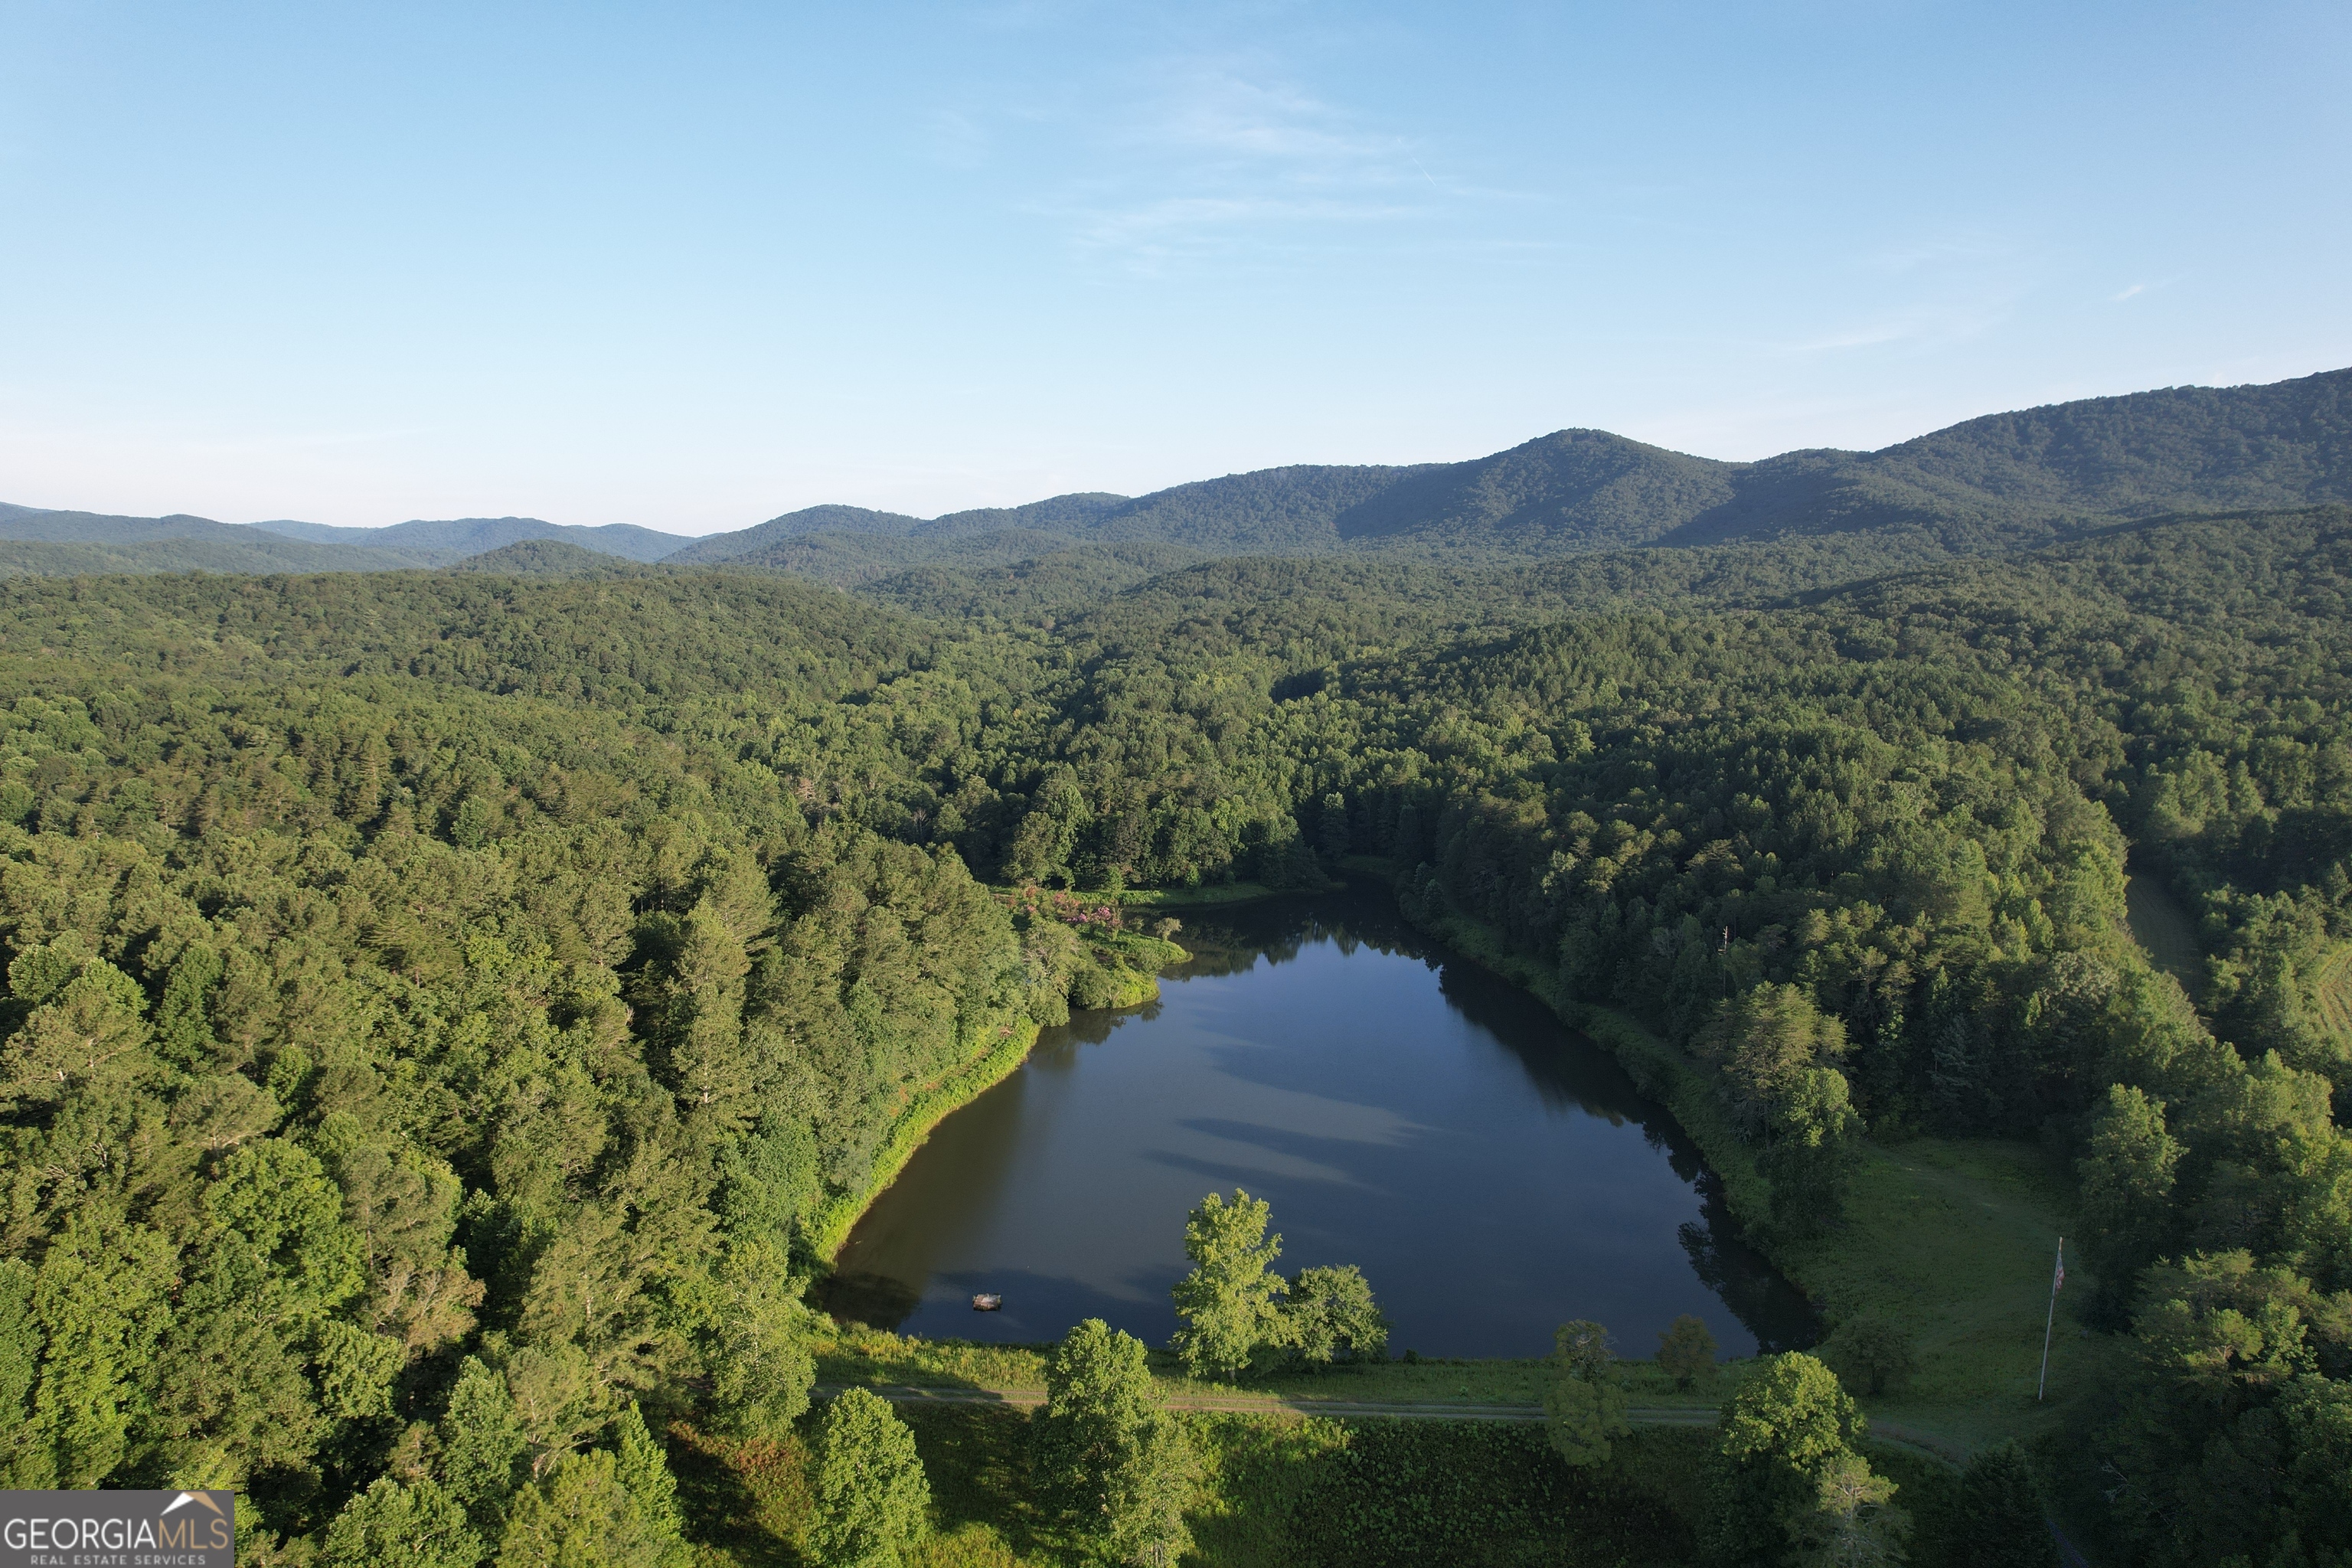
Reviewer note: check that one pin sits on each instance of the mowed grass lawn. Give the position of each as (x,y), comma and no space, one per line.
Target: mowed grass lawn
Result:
(2335,993)
(1954,1240)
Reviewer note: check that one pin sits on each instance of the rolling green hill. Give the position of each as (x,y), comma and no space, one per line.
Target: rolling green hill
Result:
(2002,482)
(1999,483)
(64,543)
(438,543)
(549,558)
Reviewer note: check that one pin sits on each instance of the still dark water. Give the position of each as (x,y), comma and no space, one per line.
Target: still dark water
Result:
(1493,1173)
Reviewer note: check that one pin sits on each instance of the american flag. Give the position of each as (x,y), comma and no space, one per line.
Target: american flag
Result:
(2059,1282)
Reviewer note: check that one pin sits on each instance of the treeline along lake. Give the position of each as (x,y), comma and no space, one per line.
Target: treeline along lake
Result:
(1493,1171)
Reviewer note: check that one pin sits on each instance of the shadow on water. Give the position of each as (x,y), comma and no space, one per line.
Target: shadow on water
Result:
(1768,1306)
(882,1302)
(1493,1171)
(1568,1067)
(865,1297)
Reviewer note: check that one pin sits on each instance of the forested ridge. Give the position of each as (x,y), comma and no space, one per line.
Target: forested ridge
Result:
(438,1003)
(1999,483)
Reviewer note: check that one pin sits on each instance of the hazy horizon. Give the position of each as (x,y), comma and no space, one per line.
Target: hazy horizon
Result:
(698,269)
(753,522)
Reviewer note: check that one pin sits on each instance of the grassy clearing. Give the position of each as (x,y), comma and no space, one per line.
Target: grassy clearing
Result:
(1955,1241)
(2334,992)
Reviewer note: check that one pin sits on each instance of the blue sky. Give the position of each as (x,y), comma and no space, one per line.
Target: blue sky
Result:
(692,266)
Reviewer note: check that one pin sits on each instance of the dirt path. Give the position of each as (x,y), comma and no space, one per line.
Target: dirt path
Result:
(1415,1410)
(1662,1415)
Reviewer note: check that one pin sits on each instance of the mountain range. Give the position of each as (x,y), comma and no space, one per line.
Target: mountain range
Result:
(458,538)
(2004,481)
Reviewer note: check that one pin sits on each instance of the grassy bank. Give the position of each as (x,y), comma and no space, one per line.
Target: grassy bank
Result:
(1127,959)
(832,1222)
(1955,1240)
(1207,895)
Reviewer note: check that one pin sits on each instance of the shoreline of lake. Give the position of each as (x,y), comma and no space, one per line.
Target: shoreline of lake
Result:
(1288,1136)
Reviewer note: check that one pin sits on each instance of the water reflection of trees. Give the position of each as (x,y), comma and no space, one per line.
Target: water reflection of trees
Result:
(1766,1304)
(1092,1027)
(1232,941)
(875,1299)
(1567,1067)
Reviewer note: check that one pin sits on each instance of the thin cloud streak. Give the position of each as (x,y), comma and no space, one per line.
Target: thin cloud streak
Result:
(1222,160)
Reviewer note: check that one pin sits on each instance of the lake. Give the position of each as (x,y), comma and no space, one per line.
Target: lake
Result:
(1493,1173)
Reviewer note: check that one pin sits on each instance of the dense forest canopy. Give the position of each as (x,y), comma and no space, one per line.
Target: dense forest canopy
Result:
(451,999)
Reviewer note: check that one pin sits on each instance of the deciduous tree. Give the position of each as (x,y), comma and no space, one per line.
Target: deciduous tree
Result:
(1686,1352)
(1584,1404)
(1230,1301)
(872,1498)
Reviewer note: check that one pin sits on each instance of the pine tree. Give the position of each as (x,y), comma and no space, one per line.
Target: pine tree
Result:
(714,1067)
(644,1471)
(580,1515)
(482,1447)
(2002,1519)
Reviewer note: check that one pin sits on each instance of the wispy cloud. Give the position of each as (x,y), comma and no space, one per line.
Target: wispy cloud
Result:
(1932,324)
(1924,292)
(1277,125)
(1189,159)
(2128,293)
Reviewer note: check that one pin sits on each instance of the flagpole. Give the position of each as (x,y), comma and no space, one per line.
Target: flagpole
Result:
(2050,1323)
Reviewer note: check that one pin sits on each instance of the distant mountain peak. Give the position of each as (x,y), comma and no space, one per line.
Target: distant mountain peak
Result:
(2024,477)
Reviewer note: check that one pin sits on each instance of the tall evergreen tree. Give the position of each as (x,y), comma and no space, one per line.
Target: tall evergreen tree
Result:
(2001,1520)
